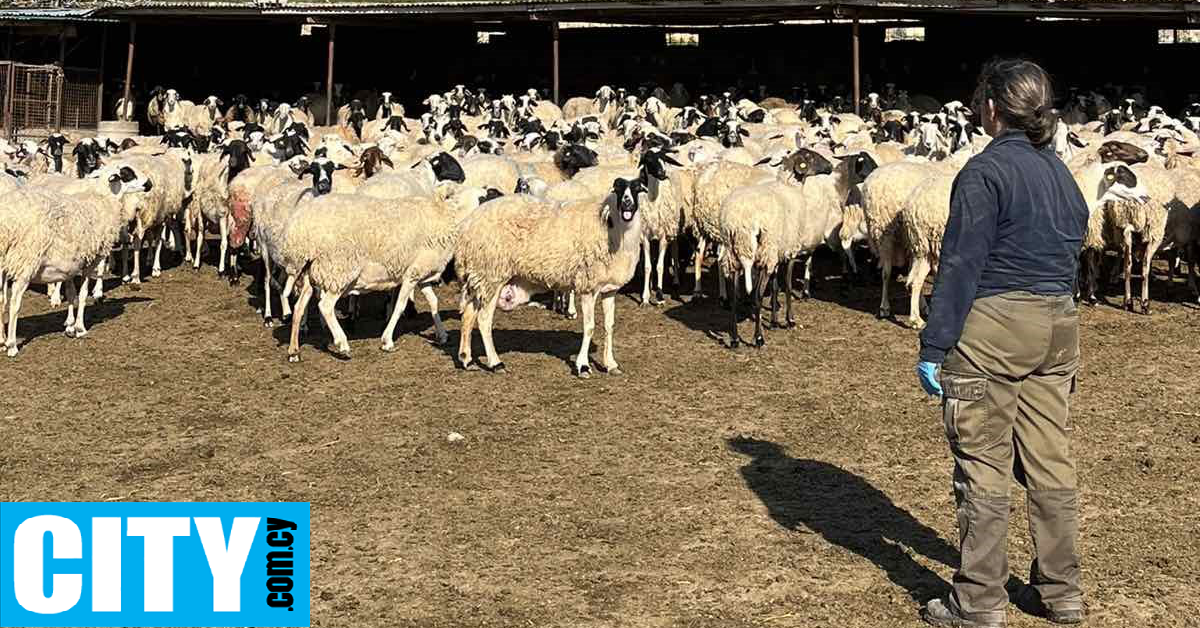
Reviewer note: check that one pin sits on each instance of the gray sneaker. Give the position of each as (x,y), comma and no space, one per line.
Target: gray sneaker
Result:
(945,613)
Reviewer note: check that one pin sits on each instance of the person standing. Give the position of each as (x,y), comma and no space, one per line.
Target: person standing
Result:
(1002,349)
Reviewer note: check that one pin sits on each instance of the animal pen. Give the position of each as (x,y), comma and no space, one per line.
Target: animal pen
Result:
(567,48)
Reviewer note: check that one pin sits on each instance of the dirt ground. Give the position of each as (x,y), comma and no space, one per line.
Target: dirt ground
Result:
(803,484)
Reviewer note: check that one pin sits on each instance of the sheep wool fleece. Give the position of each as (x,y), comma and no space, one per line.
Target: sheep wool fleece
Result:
(1006,413)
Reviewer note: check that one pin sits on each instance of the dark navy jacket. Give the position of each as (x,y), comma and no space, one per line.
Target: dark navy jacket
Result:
(1017,221)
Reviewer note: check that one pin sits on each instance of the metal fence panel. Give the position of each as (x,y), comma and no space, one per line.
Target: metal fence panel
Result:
(38,99)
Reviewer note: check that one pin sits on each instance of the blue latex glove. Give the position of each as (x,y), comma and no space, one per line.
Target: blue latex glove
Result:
(927,372)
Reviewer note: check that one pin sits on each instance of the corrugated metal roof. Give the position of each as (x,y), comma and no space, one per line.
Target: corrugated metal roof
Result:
(51,15)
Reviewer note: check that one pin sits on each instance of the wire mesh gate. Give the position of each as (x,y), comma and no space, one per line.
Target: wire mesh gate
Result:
(39,99)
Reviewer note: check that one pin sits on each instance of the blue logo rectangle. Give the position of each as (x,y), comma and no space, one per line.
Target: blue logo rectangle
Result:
(154,564)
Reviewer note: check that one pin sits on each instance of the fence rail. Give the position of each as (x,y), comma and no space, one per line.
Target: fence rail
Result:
(39,99)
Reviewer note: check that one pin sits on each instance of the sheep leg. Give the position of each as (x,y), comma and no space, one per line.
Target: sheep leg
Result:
(486,316)
(135,276)
(697,269)
(645,270)
(662,259)
(14,307)
(588,301)
(916,285)
(81,297)
(306,291)
(470,309)
(402,296)
(3,306)
(734,340)
(224,246)
(54,291)
(806,293)
(326,304)
(721,276)
(571,313)
(788,321)
(1147,271)
(439,328)
(72,297)
(178,243)
(1128,251)
(885,272)
(676,270)
(609,302)
(759,340)
(775,299)
(199,240)
(285,297)
(266,260)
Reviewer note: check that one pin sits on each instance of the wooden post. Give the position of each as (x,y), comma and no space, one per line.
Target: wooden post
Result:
(857,72)
(100,89)
(554,33)
(62,76)
(128,71)
(329,117)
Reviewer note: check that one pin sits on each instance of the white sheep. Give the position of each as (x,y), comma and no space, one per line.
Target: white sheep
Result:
(333,244)
(48,236)
(518,244)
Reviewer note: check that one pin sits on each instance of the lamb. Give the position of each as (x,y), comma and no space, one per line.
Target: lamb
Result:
(49,236)
(517,244)
(333,244)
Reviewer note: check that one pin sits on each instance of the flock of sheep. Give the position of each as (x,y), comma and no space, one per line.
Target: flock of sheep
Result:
(524,198)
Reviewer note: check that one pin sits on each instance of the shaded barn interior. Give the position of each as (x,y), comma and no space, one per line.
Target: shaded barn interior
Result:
(271,58)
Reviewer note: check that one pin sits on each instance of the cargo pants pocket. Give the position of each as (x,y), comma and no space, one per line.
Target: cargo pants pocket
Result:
(965,411)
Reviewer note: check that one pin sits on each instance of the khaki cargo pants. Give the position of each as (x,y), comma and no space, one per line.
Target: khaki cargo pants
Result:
(1006,410)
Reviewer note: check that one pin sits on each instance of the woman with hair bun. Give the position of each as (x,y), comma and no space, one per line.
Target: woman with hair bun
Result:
(1002,349)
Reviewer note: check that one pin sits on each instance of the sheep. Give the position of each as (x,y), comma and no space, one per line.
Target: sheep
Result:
(275,197)
(175,112)
(577,107)
(1148,218)
(420,180)
(662,215)
(202,118)
(210,201)
(333,244)
(387,108)
(173,175)
(517,244)
(1183,223)
(775,221)
(49,236)
(484,171)
(1102,184)
(714,182)
(884,194)
(923,219)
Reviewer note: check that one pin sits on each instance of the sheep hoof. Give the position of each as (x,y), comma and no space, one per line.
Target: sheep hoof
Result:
(790,324)
(1146,307)
(388,347)
(498,369)
(614,370)
(467,364)
(1128,305)
(340,352)
(585,371)
(55,302)
(735,342)
(270,323)
(126,279)
(659,299)
(294,358)
(12,352)
(69,332)
(80,333)
(883,314)
(760,341)
(441,339)
(156,273)
(572,316)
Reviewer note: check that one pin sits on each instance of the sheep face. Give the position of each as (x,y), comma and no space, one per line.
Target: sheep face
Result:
(321,171)
(574,157)
(1125,152)
(491,194)
(805,163)
(126,180)
(446,168)
(1121,184)
(652,160)
(87,158)
(861,167)
(238,157)
(626,193)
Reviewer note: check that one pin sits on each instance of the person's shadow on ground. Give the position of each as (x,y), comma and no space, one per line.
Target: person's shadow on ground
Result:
(846,511)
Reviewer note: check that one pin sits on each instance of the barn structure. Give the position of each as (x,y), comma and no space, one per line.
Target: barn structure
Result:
(67,63)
